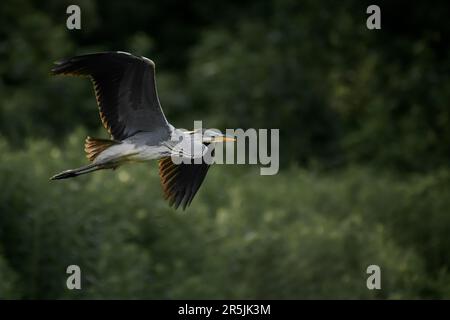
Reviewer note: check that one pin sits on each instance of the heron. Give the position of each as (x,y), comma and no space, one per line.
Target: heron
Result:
(129,107)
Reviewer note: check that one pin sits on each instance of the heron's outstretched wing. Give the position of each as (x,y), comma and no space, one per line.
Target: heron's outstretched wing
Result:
(181,182)
(125,89)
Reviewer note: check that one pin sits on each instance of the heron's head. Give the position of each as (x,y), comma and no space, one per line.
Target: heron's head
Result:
(214,136)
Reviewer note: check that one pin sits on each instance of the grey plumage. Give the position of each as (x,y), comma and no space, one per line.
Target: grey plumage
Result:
(129,107)
(125,88)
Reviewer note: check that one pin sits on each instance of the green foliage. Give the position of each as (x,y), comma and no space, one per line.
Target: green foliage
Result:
(338,93)
(312,236)
(365,134)
(8,283)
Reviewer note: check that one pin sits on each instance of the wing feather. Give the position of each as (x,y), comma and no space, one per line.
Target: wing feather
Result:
(181,182)
(125,89)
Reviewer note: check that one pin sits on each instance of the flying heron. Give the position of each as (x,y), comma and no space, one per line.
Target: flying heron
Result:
(127,99)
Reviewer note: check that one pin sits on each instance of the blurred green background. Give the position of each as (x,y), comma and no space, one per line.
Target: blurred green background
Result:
(364,119)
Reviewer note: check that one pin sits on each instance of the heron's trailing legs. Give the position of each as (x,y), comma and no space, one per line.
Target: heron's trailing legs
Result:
(82,170)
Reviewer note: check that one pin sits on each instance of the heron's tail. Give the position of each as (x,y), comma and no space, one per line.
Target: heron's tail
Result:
(76,172)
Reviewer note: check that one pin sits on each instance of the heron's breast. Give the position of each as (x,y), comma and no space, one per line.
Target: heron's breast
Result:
(147,153)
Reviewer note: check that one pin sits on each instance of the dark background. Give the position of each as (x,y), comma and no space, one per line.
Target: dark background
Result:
(364,123)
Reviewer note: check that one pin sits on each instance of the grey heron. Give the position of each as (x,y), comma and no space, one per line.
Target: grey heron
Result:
(127,99)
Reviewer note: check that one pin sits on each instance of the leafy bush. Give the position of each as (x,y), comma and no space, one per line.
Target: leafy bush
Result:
(369,107)
(311,236)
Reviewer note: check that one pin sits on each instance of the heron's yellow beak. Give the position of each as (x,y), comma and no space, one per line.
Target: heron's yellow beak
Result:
(223,139)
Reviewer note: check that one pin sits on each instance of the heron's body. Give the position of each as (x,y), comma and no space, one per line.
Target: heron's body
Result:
(130,152)
(138,149)
(129,107)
